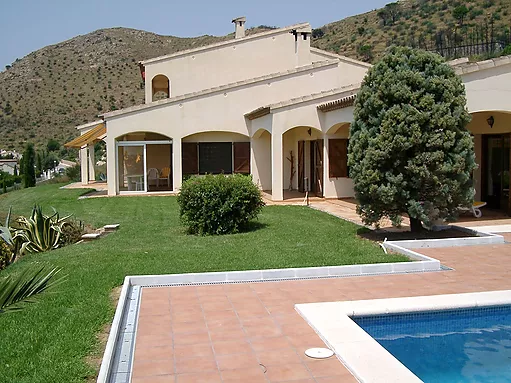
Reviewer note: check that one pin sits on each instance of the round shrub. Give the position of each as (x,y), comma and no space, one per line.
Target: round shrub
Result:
(219,204)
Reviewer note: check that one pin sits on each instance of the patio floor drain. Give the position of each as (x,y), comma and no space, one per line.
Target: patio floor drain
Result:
(319,353)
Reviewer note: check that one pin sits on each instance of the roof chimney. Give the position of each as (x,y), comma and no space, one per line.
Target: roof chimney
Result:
(239,29)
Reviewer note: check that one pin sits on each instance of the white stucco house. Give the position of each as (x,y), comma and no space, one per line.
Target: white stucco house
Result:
(272,106)
(9,166)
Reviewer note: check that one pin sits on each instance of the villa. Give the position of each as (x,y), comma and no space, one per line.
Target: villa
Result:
(272,106)
(9,166)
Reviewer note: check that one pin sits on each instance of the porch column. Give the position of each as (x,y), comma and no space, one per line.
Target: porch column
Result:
(92,173)
(111,166)
(177,165)
(277,184)
(84,165)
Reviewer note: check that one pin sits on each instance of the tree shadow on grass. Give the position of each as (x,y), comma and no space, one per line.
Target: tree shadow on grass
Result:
(382,235)
(253,226)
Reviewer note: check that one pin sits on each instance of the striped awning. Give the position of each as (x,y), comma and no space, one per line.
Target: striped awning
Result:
(93,135)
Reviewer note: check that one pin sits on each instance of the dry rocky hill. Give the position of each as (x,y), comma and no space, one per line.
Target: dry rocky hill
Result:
(48,92)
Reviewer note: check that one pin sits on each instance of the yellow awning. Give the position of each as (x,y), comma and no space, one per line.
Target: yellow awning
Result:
(87,138)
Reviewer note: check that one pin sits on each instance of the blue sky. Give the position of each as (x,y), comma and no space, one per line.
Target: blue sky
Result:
(28,25)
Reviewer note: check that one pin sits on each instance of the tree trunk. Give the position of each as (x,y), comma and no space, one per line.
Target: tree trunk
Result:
(415,225)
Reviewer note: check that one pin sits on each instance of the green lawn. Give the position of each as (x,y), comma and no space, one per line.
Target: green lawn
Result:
(49,341)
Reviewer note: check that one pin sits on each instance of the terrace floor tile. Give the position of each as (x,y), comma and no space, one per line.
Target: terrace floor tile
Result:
(250,332)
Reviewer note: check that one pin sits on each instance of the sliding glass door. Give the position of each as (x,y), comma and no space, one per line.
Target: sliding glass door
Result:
(131,163)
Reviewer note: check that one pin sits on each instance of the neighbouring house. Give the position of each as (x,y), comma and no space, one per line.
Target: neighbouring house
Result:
(9,166)
(64,165)
(272,106)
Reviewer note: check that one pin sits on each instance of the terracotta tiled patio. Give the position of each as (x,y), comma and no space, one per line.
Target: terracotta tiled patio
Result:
(250,332)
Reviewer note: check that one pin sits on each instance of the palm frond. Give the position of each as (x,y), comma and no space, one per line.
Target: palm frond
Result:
(25,288)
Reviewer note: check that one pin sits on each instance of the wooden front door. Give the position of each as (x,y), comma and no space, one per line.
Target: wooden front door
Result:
(317,167)
(301,166)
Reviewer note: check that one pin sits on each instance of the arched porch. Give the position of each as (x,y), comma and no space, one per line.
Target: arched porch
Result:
(492,137)
(296,162)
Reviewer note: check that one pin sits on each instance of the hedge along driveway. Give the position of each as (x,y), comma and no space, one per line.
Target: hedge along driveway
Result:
(49,341)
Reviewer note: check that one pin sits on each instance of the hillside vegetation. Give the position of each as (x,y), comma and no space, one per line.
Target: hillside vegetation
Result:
(451,27)
(47,93)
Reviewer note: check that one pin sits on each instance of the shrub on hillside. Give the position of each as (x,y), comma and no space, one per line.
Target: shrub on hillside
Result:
(73,173)
(219,204)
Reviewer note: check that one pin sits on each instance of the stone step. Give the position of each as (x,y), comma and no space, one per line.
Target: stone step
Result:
(90,236)
(112,227)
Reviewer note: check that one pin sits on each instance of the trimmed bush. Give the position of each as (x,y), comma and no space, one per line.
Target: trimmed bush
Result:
(219,204)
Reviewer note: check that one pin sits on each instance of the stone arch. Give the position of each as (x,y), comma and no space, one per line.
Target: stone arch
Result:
(259,132)
(216,136)
(142,135)
(480,122)
(340,129)
(312,129)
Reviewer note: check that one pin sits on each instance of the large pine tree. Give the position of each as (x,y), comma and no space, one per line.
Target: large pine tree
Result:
(409,151)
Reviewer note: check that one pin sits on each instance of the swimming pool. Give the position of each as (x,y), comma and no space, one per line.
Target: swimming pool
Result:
(468,345)
(413,319)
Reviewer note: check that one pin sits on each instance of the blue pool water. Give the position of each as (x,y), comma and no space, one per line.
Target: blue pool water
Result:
(469,345)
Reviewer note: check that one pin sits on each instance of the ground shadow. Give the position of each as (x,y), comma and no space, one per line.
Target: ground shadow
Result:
(253,226)
(381,235)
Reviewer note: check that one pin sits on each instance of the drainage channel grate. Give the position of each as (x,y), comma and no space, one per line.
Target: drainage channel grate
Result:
(125,345)
(442,268)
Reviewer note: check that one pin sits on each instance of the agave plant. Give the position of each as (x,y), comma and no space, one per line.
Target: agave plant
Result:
(39,232)
(26,287)
(8,248)
(5,231)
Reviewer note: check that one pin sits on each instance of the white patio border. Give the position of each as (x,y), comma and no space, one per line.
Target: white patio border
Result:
(478,238)
(367,360)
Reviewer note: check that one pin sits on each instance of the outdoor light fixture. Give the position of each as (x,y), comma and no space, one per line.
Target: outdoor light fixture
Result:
(490,120)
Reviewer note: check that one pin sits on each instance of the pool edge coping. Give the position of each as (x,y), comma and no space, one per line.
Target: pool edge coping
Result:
(362,355)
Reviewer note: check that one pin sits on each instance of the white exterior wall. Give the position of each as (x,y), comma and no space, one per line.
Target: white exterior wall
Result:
(489,89)
(220,112)
(8,168)
(242,59)
(261,151)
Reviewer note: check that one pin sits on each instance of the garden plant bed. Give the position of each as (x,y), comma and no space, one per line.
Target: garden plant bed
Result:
(51,340)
